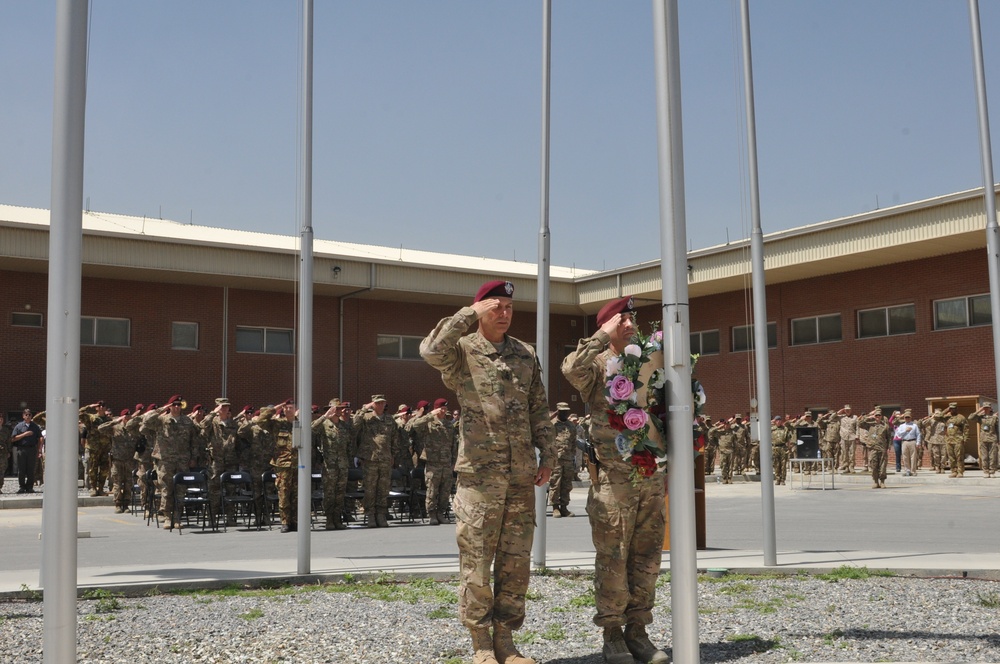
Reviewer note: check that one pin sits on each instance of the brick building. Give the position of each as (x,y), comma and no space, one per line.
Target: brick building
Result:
(887,307)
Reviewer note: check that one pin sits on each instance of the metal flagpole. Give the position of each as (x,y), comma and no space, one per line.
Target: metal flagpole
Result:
(759,306)
(989,189)
(62,373)
(676,339)
(302,430)
(542,315)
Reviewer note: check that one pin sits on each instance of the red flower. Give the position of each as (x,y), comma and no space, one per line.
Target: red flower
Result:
(645,462)
(616,421)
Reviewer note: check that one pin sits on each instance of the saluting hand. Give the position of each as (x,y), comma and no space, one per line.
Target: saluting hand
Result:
(611,324)
(485,306)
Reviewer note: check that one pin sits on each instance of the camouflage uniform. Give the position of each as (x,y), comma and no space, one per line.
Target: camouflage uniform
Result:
(504,419)
(377,440)
(726,433)
(98,449)
(934,435)
(224,454)
(878,440)
(260,435)
(437,441)
(286,471)
(336,439)
(627,520)
(848,442)
(144,458)
(122,462)
(782,436)
(711,448)
(561,482)
(173,437)
(987,442)
(829,436)
(956,431)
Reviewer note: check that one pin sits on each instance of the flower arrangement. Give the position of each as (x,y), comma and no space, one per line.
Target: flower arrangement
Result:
(636,409)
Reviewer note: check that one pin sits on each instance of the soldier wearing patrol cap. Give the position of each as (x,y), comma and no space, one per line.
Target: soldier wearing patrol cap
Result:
(504,420)
(220,433)
(561,482)
(627,513)
(378,438)
(334,433)
(437,439)
(988,453)
(955,433)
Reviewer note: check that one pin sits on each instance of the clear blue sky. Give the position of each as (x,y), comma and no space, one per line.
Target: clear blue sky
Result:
(427,117)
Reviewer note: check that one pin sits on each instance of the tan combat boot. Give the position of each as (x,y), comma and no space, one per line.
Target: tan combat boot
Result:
(615,651)
(503,646)
(482,646)
(641,647)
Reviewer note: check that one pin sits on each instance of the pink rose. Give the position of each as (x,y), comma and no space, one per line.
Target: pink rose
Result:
(635,418)
(620,388)
(633,350)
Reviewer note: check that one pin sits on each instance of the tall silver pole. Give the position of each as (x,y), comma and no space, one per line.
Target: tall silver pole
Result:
(302,430)
(759,306)
(62,362)
(676,335)
(542,319)
(989,190)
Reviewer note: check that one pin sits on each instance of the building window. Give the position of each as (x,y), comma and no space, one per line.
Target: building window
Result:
(705,343)
(184,336)
(397,347)
(743,337)
(962,312)
(104,331)
(816,330)
(23,319)
(887,321)
(272,340)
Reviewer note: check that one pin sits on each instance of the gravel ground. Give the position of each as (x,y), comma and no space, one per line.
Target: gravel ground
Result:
(742,619)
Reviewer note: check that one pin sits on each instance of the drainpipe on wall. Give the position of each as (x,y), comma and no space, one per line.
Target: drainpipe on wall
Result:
(340,360)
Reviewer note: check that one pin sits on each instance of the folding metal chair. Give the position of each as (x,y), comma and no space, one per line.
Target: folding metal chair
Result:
(237,491)
(191,499)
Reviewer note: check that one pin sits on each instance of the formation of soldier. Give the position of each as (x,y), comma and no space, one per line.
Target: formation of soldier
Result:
(840,433)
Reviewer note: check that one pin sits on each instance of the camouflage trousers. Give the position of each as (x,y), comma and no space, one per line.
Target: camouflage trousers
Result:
(561,484)
(286,481)
(956,457)
(121,481)
(377,478)
(165,471)
(847,454)
(438,480)
(334,490)
(99,467)
(878,462)
(142,467)
(709,452)
(938,456)
(779,463)
(627,524)
(988,456)
(726,462)
(495,523)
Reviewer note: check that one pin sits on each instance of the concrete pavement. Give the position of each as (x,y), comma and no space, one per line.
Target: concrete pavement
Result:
(163,559)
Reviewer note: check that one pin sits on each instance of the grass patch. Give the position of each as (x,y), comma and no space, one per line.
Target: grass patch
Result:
(738,588)
(761,606)
(107,602)
(253,614)
(533,595)
(830,638)
(554,632)
(29,594)
(525,637)
(850,572)
(584,601)
(440,613)
(988,599)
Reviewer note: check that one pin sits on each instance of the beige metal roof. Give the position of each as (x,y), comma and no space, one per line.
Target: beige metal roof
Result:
(119,246)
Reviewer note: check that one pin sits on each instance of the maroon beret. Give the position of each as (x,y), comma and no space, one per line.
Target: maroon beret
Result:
(174,399)
(492,289)
(151,407)
(422,404)
(125,411)
(197,406)
(621,305)
(139,407)
(440,403)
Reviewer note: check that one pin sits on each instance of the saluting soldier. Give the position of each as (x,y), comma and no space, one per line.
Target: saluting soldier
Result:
(878,439)
(561,482)
(336,437)
(438,437)
(782,437)
(934,433)
(848,439)
(504,420)
(727,431)
(98,446)
(220,432)
(143,450)
(285,463)
(378,439)
(174,433)
(122,462)
(955,433)
(987,420)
